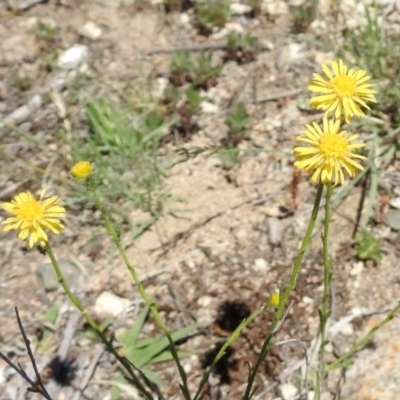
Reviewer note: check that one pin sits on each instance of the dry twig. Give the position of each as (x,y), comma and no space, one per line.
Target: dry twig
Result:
(35,387)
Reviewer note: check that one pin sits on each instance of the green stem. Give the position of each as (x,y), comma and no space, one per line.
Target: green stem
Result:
(324,312)
(78,304)
(153,308)
(286,293)
(340,362)
(232,338)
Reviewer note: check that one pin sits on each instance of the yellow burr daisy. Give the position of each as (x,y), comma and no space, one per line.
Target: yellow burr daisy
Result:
(82,170)
(343,92)
(31,217)
(328,153)
(274,299)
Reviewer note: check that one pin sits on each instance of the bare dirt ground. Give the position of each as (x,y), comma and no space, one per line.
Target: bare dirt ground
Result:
(237,233)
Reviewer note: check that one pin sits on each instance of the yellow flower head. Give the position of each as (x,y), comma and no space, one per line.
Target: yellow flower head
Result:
(82,170)
(328,153)
(274,299)
(343,93)
(32,217)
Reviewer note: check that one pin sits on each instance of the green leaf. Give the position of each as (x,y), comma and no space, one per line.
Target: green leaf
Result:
(51,314)
(129,338)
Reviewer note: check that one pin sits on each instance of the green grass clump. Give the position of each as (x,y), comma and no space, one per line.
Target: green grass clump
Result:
(241,48)
(126,155)
(237,121)
(210,14)
(367,247)
(205,72)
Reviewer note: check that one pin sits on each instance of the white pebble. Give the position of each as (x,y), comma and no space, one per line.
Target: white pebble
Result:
(73,57)
(109,304)
(287,391)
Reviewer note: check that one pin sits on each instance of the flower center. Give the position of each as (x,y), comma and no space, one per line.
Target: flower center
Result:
(30,211)
(333,145)
(343,85)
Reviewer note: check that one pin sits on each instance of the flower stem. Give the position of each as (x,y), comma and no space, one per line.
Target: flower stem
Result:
(344,359)
(325,312)
(78,304)
(286,293)
(149,302)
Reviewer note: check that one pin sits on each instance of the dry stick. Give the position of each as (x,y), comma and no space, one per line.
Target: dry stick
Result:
(277,96)
(35,387)
(197,47)
(28,348)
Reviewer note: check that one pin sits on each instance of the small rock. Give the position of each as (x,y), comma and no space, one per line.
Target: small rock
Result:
(289,55)
(234,27)
(261,265)
(287,391)
(267,45)
(357,268)
(184,18)
(22,113)
(48,278)
(90,30)
(347,330)
(109,304)
(307,300)
(220,33)
(318,26)
(239,8)
(205,301)
(274,9)
(274,230)
(392,219)
(73,57)
(159,87)
(209,108)
(310,395)
(395,203)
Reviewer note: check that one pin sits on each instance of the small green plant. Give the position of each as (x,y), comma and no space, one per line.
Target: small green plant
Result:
(126,159)
(49,318)
(22,82)
(193,100)
(229,157)
(191,105)
(181,68)
(304,15)
(237,121)
(210,14)
(241,48)
(45,32)
(205,73)
(378,52)
(146,351)
(367,247)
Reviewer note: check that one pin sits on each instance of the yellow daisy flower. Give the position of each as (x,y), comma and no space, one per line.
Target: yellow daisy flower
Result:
(328,153)
(343,93)
(32,217)
(82,170)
